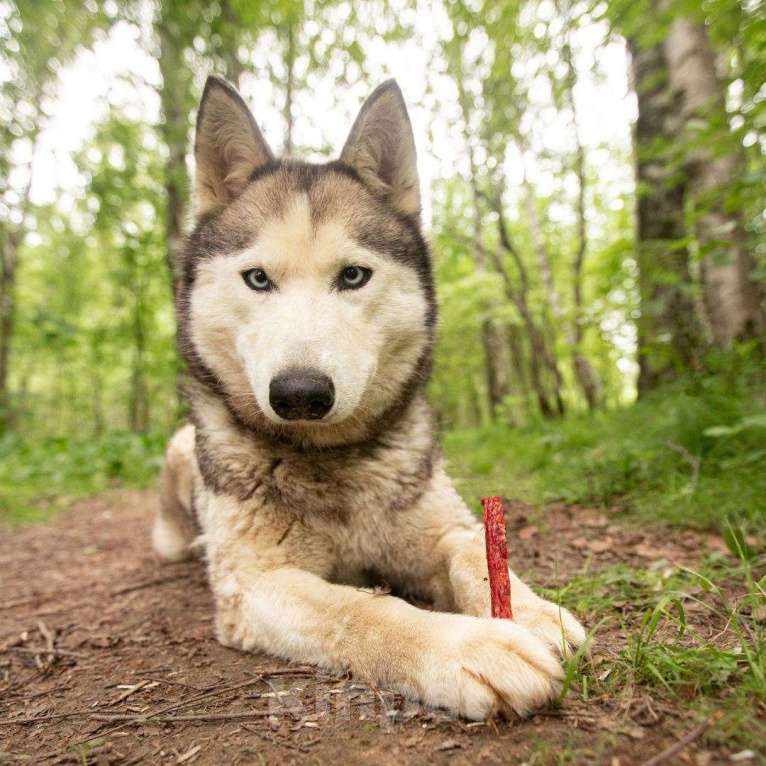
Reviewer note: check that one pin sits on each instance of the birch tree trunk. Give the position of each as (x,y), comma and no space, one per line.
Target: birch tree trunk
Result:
(289,88)
(230,26)
(669,333)
(11,239)
(8,263)
(541,351)
(585,373)
(175,97)
(497,364)
(174,127)
(138,401)
(495,355)
(730,296)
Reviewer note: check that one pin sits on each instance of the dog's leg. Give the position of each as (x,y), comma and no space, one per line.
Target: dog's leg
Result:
(470,665)
(443,534)
(467,572)
(174,526)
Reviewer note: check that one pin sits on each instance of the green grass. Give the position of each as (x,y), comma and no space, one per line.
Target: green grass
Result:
(694,638)
(692,454)
(38,474)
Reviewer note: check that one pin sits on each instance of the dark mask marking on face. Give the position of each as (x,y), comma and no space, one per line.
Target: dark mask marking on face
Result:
(335,192)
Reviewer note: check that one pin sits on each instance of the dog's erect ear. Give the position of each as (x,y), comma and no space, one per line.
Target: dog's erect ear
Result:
(228,147)
(381,148)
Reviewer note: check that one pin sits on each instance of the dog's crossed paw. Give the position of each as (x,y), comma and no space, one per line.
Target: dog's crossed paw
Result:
(490,667)
(551,623)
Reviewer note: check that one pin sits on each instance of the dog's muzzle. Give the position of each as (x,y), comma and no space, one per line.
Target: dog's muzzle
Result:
(301,394)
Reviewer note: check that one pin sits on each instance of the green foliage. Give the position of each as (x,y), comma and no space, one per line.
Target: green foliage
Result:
(693,453)
(85,286)
(92,349)
(674,654)
(94,343)
(40,474)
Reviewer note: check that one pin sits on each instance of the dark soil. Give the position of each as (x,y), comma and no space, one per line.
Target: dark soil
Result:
(96,634)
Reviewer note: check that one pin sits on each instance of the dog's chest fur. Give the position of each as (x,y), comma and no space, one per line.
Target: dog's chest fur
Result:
(388,474)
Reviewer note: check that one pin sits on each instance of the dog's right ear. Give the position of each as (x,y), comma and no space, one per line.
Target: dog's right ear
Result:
(228,147)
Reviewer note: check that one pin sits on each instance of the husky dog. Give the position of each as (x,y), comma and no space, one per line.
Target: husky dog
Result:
(306,314)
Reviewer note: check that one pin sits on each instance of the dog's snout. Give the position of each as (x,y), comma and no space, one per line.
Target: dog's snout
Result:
(301,394)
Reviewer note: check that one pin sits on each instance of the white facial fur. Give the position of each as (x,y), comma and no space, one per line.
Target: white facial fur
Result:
(368,341)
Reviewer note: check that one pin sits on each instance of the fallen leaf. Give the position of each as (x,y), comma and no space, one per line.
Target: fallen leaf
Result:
(525,533)
(647,551)
(600,546)
(579,543)
(742,755)
(592,519)
(449,744)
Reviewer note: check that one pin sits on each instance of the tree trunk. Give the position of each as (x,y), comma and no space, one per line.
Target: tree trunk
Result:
(520,297)
(175,99)
(730,295)
(232,64)
(289,87)
(8,263)
(495,360)
(540,357)
(518,367)
(11,239)
(174,131)
(585,373)
(541,250)
(138,409)
(536,339)
(497,365)
(669,333)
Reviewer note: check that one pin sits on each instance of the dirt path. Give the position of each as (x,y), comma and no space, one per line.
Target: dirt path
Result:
(133,637)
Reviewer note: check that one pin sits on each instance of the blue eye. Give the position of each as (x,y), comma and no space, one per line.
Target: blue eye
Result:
(256,279)
(354,277)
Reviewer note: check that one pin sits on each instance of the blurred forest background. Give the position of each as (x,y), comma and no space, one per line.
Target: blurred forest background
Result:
(594,187)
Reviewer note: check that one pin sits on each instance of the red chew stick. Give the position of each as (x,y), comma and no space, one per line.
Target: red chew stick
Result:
(497,557)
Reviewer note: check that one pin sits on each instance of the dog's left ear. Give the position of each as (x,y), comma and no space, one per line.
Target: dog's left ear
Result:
(381,148)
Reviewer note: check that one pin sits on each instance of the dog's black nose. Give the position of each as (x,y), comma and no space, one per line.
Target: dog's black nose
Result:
(301,394)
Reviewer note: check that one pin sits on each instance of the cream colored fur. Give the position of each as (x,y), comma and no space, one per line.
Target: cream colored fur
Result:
(292,585)
(366,341)
(292,529)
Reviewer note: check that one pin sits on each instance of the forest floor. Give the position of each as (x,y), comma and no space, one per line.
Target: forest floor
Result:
(108,657)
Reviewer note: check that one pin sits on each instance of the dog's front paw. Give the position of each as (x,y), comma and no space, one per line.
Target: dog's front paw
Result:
(551,623)
(490,666)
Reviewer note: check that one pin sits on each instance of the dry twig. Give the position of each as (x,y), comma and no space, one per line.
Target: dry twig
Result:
(38,652)
(148,584)
(142,719)
(685,741)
